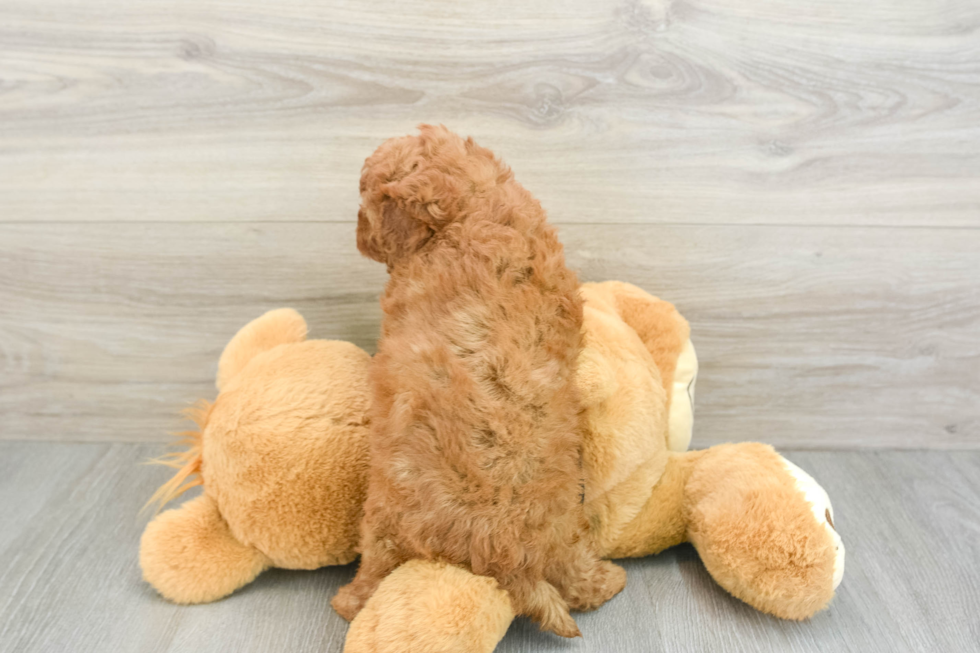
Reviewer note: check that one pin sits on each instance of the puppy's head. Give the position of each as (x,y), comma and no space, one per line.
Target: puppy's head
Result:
(412,187)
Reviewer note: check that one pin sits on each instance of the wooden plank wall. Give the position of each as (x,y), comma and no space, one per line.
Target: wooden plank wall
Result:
(802,179)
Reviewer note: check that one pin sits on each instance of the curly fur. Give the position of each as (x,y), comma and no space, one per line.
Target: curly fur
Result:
(476,425)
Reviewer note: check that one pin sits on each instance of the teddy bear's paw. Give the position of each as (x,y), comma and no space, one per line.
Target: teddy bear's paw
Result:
(189,555)
(431,607)
(822,511)
(681,418)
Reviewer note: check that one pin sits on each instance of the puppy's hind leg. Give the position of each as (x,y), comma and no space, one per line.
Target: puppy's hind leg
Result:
(585,581)
(377,561)
(543,604)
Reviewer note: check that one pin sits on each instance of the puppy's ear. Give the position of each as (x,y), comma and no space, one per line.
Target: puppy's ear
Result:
(397,233)
(402,231)
(427,194)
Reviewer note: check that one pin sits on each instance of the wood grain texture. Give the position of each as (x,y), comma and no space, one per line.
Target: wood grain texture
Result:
(808,336)
(800,178)
(69,577)
(669,111)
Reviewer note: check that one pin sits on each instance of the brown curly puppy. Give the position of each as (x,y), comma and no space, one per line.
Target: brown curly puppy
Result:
(475,442)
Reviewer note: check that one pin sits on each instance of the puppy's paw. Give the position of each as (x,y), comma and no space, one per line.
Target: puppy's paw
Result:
(549,609)
(347,602)
(606,581)
(565,627)
(614,580)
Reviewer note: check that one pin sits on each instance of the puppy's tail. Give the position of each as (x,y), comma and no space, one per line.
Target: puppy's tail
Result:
(545,605)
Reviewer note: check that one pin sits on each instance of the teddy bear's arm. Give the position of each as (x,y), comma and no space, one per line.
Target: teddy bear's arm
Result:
(763,531)
(762,526)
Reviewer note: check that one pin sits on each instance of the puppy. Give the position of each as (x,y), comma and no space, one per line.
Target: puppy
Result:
(476,434)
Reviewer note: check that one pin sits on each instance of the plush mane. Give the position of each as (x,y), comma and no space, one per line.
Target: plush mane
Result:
(187,461)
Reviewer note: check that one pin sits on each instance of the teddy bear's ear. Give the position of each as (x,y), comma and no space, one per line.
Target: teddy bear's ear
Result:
(276,327)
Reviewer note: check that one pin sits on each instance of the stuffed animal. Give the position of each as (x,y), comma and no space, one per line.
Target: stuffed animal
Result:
(282,458)
(282,455)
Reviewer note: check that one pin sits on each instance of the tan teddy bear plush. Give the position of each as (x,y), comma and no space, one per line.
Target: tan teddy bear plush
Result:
(281,455)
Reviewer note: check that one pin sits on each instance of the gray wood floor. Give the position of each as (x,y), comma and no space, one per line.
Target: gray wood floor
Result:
(69,578)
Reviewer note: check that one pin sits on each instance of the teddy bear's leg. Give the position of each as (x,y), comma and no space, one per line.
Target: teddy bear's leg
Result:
(189,555)
(764,530)
(431,607)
